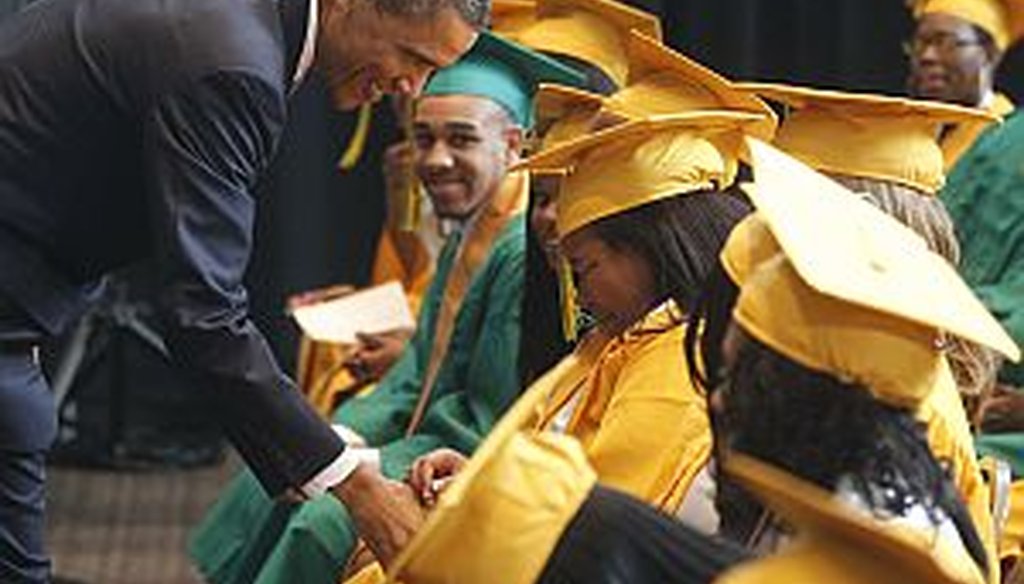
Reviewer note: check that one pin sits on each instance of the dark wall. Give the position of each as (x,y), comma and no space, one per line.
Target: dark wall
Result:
(842,44)
(318,227)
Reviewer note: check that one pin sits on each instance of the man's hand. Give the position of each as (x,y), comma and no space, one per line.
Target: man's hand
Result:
(1003,411)
(375,354)
(385,512)
(432,472)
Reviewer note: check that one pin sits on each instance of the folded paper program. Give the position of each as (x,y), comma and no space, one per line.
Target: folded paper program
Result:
(373,310)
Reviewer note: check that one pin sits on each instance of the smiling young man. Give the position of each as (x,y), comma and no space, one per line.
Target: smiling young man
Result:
(460,370)
(134,131)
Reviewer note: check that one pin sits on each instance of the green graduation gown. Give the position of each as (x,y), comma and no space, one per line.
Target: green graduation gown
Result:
(985,197)
(246,537)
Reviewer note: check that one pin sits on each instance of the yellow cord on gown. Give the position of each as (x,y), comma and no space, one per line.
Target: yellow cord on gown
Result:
(567,293)
(357,144)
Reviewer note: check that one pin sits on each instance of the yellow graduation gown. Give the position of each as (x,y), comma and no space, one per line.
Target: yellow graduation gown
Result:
(513,500)
(644,427)
(640,423)
(950,439)
(838,545)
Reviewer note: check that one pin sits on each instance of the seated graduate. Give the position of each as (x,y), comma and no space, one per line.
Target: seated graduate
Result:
(590,37)
(459,372)
(641,218)
(890,149)
(832,346)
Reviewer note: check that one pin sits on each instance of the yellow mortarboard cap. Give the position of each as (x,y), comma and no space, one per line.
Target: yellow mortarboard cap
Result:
(660,82)
(1003,19)
(638,162)
(512,501)
(865,135)
(565,113)
(855,293)
(508,16)
(664,81)
(593,31)
(859,547)
(750,243)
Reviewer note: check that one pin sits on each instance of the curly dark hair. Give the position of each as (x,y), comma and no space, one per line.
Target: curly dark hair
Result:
(822,429)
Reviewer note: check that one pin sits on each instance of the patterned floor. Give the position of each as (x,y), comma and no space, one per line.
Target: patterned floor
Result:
(128,527)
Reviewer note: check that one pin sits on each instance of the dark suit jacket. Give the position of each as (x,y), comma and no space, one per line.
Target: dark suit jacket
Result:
(136,129)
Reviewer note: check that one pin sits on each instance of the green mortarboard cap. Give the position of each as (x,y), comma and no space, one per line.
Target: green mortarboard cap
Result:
(505,72)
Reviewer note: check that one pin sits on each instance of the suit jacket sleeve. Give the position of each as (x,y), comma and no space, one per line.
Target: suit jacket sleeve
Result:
(205,145)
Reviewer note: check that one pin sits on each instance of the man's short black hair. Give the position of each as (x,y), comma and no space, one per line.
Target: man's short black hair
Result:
(477,13)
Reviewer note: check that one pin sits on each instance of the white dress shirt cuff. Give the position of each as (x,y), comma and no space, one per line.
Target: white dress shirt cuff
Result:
(338,470)
(334,473)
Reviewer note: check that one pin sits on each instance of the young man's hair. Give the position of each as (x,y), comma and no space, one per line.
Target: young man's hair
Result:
(477,13)
(679,237)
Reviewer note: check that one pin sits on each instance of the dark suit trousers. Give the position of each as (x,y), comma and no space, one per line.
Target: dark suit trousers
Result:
(28,427)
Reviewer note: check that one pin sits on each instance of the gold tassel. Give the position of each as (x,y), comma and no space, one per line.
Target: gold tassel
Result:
(408,218)
(567,294)
(356,144)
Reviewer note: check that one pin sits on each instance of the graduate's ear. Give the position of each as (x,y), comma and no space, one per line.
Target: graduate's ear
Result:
(515,142)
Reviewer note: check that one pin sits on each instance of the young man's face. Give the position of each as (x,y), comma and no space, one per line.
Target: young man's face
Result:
(949,61)
(463,146)
(364,53)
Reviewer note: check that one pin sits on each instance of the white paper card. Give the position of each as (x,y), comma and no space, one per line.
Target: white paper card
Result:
(378,309)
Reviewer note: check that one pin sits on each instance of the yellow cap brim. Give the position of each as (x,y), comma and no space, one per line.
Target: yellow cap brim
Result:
(873,104)
(554,101)
(815,511)
(847,248)
(648,57)
(707,122)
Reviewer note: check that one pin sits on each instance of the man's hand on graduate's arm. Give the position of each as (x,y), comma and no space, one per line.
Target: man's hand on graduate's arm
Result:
(386,513)
(376,353)
(1003,411)
(432,472)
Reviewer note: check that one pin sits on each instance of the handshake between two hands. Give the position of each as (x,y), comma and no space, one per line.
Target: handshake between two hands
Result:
(388,513)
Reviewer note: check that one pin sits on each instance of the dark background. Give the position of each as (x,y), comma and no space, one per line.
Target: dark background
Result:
(318,226)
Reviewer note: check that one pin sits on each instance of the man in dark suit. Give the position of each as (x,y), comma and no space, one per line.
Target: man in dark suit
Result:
(134,130)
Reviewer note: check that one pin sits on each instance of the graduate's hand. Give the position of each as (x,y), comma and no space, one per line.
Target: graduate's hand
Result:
(385,512)
(1003,411)
(432,472)
(376,353)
